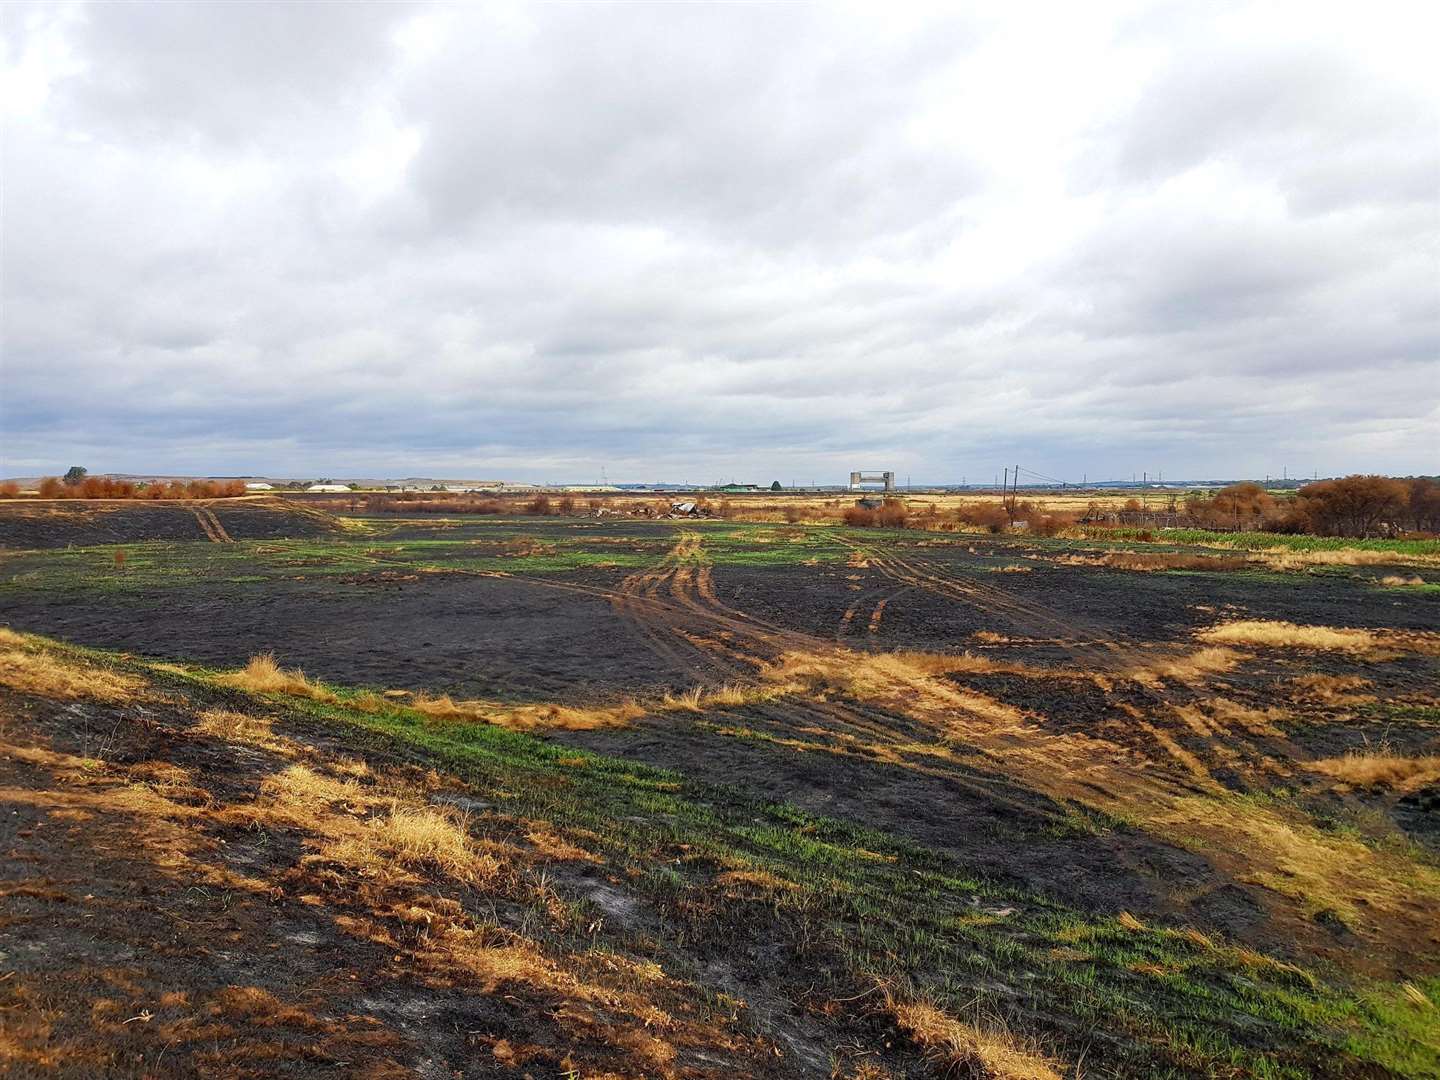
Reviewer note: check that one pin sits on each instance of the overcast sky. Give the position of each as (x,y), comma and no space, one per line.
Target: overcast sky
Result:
(696,241)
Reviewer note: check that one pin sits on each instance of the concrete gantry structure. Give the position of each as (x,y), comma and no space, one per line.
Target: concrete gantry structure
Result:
(864,479)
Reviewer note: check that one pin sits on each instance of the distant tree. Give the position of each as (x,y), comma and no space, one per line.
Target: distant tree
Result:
(1353,505)
(1424,504)
(775,486)
(75,474)
(1240,506)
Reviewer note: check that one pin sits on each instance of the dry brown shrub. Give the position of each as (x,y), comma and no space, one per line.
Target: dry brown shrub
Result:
(1289,635)
(262,675)
(9,489)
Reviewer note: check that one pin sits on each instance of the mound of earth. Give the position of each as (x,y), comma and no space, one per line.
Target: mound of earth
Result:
(37,523)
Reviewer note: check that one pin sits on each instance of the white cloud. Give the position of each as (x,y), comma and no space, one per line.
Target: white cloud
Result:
(693,241)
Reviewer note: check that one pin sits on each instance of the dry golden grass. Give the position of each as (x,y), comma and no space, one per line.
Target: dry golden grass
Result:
(299,796)
(234,726)
(416,837)
(1416,995)
(548,716)
(443,707)
(1130,922)
(931,663)
(1288,635)
(698,699)
(262,675)
(1286,559)
(1400,581)
(1191,667)
(1278,848)
(758,879)
(1171,560)
(960,1049)
(1331,689)
(26,666)
(1379,768)
(569,717)
(549,844)
(908,678)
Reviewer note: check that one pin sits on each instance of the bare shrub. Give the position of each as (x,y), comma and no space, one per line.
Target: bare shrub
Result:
(987,515)
(9,489)
(892,515)
(539,506)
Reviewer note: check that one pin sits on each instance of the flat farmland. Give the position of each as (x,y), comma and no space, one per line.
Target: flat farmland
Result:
(1183,801)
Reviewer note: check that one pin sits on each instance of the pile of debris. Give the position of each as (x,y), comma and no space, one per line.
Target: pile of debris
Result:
(687,509)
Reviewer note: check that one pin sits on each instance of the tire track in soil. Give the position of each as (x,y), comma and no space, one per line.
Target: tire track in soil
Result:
(211,526)
(1107,656)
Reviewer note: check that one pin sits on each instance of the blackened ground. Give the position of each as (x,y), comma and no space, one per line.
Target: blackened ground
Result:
(34,523)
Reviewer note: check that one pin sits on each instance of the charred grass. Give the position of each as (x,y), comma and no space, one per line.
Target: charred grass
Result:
(883,942)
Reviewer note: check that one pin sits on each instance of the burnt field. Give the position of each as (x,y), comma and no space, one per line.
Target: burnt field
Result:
(1242,747)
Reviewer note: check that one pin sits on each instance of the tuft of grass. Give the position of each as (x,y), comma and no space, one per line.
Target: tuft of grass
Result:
(234,726)
(956,1048)
(419,838)
(1396,581)
(263,675)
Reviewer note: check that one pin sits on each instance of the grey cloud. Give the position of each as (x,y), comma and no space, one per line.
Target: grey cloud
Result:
(704,240)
